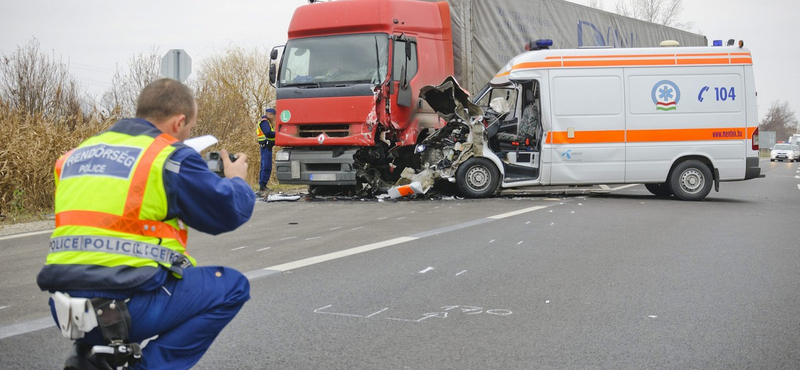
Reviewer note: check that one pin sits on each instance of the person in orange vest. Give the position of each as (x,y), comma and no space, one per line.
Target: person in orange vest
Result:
(266,140)
(124,201)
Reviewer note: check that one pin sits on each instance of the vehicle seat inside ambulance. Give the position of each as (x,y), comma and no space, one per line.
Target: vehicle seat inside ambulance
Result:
(527,127)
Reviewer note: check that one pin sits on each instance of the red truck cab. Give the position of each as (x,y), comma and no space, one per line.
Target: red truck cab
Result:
(347,86)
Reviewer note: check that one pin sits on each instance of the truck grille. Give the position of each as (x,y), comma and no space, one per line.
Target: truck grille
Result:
(328,130)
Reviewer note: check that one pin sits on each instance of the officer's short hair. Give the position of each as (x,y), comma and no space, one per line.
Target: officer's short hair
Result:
(165,98)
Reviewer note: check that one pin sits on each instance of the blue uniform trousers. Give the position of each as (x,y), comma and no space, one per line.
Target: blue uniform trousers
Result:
(266,166)
(187,315)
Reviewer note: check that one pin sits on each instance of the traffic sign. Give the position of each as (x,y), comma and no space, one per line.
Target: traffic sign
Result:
(176,65)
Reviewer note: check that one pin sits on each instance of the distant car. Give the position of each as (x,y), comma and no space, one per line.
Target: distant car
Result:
(783,152)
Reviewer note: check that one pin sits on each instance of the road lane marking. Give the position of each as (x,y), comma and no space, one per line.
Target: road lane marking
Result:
(336,255)
(26,327)
(382,244)
(514,213)
(32,233)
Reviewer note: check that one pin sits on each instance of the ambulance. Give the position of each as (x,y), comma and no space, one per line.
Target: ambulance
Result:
(677,119)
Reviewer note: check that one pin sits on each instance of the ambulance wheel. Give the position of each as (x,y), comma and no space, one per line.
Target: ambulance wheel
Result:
(691,180)
(477,178)
(660,190)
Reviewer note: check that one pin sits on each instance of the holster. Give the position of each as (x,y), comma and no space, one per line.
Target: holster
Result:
(114,321)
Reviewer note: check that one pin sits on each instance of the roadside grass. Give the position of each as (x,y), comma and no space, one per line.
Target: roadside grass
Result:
(31,144)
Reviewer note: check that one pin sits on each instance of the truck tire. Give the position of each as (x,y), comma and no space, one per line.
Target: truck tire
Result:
(691,180)
(661,190)
(477,178)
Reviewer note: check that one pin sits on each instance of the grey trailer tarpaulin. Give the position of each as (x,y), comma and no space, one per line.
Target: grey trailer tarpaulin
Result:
(488,33)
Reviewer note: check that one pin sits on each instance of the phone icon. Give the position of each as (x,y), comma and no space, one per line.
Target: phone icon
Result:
(700,95)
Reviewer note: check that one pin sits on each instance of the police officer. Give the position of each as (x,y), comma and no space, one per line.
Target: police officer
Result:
(266,140)
(124,200)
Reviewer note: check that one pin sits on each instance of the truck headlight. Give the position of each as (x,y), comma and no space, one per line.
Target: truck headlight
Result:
(282,156)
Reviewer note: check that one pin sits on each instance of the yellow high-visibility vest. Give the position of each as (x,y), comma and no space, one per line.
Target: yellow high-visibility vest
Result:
(111,209)
(260,133)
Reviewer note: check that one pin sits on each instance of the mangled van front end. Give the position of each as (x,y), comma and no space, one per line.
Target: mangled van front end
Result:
(444,152)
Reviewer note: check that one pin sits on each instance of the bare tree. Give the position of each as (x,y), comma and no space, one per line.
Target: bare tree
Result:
(233,88)
(597,4)
(664,12)
(120,99)
(35,83)
(781,119)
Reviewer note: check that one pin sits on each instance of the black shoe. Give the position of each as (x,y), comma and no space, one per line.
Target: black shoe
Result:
(79,359)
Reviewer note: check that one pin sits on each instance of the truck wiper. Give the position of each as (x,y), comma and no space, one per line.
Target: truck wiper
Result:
(304,85)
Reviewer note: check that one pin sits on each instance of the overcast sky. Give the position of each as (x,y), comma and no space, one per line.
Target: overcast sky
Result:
(98,36)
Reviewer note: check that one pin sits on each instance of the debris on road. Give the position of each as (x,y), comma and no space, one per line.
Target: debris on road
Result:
(282,197)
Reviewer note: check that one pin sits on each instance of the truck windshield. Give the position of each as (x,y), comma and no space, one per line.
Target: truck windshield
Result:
(335,60)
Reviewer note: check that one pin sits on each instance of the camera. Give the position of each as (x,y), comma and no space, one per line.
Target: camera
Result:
(214,162)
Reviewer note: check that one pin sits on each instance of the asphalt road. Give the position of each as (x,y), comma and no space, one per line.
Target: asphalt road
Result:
(621,280)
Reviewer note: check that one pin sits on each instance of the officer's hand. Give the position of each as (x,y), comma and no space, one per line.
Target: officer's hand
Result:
(234,169)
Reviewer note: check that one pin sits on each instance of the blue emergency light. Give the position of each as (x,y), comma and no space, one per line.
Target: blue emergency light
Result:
(717,43)
(540,44)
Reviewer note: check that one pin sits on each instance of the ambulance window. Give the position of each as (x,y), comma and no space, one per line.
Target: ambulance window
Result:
(500,98)
(587,95)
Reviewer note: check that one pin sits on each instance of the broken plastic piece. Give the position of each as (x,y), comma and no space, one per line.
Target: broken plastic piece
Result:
(406,190)
(282,197)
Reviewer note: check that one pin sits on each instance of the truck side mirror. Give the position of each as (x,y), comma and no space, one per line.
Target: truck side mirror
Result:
(272,74)
(273,54)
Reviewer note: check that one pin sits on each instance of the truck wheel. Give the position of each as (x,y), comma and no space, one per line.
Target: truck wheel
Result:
(691,180)
(477,178)
(660,190)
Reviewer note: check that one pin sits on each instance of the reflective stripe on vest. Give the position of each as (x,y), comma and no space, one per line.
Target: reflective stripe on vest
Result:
(122,224)
(119,246)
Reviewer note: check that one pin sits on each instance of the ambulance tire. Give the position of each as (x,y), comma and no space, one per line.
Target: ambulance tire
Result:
(691,180)
(661,190)
(477,178)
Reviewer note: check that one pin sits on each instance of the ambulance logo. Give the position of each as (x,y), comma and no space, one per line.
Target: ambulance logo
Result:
(666,95)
